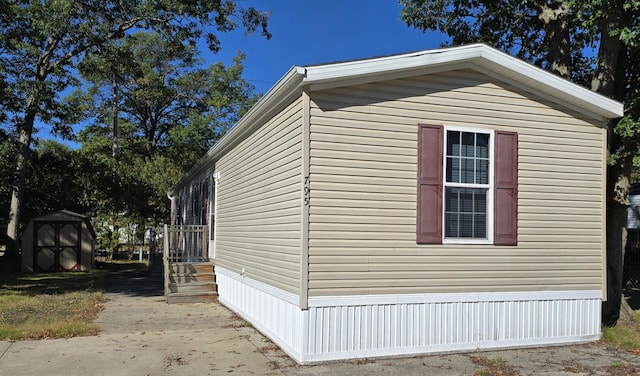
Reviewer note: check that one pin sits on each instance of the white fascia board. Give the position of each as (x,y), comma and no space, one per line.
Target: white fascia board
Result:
(476,54)
(287,86)
(552,84)
(389,64)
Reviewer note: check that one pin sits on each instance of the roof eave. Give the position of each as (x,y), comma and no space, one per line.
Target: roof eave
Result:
(501,65)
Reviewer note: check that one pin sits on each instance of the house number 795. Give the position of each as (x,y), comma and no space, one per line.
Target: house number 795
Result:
(307,191)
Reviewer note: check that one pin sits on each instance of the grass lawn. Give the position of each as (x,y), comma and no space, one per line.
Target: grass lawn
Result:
(626,334)
(52,305)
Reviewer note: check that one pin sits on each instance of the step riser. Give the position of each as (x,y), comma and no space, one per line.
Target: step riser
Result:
(175,299)
(174,278)
(192,288)
(190,268)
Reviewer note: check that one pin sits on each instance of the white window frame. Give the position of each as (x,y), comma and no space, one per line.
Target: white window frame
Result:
(489,187)
(185,206)
(213,213)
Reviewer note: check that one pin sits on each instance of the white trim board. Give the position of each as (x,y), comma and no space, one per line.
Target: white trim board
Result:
(329,301)
(347,327)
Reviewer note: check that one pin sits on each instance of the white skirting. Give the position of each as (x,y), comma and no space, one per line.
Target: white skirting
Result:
(382,325)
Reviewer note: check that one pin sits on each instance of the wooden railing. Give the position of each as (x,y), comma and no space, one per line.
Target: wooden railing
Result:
(185,243)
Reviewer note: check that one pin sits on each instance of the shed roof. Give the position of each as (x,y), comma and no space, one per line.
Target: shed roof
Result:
(58,215)
(479,57)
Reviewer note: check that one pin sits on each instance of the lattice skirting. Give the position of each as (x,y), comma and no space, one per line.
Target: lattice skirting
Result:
(349,327)
(631,277)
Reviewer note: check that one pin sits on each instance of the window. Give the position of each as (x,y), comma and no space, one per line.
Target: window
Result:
(467,186)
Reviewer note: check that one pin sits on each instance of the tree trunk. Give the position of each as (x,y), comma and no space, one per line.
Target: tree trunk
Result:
(17,195)
(25,132)
(617,185)
(608,76)
(608,80)
(557,37)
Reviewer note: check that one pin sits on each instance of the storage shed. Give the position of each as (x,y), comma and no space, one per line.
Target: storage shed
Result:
(410,204)
(58,241)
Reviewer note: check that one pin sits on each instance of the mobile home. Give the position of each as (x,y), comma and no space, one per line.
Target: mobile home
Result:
(443,200)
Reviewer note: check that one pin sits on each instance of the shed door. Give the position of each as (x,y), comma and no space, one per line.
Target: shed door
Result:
(57,246)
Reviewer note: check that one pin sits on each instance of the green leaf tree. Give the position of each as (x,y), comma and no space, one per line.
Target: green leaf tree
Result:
(169,112)
(43,41)
(594,43)
(55,181)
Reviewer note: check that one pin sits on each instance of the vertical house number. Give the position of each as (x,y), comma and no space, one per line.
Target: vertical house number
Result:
(307,191)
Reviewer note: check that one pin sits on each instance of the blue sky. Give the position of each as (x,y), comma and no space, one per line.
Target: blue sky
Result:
(307,32)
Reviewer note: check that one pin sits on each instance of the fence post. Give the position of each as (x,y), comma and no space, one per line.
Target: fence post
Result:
(165,260)
(205,245)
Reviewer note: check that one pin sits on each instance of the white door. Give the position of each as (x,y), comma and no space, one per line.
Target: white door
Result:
(213,205)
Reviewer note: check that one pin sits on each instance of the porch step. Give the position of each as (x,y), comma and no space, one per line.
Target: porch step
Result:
(206,286)
(192,297)
(191,277)
(190,267)
(190,282)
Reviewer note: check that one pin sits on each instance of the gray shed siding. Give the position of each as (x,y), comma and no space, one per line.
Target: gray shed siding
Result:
(363,190)
(258,222)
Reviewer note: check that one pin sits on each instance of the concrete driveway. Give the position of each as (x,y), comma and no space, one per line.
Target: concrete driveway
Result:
(142,335)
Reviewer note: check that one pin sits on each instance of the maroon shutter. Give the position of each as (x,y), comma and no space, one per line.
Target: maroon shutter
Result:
(505,214)
(429,220)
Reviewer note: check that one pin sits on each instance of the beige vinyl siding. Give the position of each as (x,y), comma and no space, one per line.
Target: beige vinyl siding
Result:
(258,213)
(363,190)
